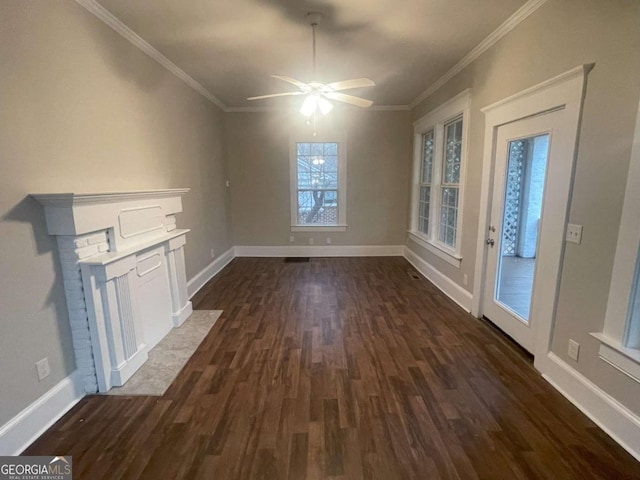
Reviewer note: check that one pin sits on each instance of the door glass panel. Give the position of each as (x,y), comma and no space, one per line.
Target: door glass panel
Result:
(524,190)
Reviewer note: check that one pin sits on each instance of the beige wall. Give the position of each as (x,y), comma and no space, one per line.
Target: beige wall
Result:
(378,160)
(561,35)
(83,110)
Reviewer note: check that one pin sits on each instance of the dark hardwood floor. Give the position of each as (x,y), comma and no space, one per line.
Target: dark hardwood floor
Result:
(341,368)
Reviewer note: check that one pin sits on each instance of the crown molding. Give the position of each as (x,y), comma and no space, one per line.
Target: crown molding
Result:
(119,27)
(286,109)
(512,22)
(390,108)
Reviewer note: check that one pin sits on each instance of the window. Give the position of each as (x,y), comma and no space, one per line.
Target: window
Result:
(436,222)
(620,336)
(318,193)
(632,335)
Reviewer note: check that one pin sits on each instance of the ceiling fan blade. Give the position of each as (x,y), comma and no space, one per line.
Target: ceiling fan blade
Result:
(341,97)
(275,95)
(293,81)
(353,83)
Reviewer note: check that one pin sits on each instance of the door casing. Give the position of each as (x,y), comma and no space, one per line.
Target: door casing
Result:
(565,92)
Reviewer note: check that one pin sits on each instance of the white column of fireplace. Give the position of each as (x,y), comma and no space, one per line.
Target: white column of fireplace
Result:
(124,276)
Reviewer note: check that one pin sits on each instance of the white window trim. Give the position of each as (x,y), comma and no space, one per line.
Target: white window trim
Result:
(335,137)
(435,120)
(613,336)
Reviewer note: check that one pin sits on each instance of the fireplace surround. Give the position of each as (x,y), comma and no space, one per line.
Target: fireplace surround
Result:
(124,277)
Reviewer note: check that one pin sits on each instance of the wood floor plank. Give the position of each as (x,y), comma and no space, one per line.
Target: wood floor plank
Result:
(340,368)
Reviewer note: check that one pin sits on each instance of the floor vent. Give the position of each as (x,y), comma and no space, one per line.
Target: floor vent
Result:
(413,274)
(296,259)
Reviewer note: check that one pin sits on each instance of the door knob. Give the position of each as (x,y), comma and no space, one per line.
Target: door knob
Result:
(491,242)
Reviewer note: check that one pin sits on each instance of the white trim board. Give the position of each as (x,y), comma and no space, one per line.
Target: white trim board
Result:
(451,289)
(320,251)
(605,411)
(509,24)
(23,429)
(274,108)
(210,271)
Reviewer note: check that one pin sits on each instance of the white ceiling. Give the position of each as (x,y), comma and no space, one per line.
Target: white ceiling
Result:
(231,47)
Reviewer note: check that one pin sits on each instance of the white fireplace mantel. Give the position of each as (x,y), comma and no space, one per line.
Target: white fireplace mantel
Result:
(124,276)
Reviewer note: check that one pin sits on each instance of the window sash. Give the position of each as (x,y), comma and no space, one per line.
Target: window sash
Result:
(426,176)
(317,166)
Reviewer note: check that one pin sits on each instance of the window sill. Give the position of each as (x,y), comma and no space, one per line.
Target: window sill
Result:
(448,256)
(318,228)
(627,360)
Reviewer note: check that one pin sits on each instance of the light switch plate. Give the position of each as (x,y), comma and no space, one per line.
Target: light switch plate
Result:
(574,233)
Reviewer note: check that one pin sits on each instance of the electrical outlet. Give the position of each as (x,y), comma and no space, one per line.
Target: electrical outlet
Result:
(465,279)
(311,241)
(292,239)
(328,240)
(574,233)
(573,350)
(213,253)
(42,367)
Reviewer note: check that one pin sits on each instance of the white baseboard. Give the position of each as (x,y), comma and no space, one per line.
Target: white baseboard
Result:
(23,429)
(181,317)
(210,271)
(606,412)
(451,289)
(320,251)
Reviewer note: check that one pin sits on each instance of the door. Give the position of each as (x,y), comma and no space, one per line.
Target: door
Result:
(523,226)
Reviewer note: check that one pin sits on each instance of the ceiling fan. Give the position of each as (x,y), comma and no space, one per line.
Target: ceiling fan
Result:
(317,93)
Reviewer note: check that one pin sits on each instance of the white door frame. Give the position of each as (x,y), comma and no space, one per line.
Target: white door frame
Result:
(566,91)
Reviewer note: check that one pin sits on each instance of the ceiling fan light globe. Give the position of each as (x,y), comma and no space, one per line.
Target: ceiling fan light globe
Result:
(309,105)
(324,105)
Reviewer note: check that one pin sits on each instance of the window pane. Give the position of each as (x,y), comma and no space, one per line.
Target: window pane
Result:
(423,209)
(317,149)
(330,163)
(304,149)
(317,207)
(452,152)
(427,157)
(448,216)
(331,149)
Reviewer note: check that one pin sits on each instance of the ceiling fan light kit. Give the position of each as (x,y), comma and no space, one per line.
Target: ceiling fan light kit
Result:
(318,94)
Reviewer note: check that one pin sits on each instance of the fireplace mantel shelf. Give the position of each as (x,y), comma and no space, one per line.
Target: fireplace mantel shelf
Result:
(70,199)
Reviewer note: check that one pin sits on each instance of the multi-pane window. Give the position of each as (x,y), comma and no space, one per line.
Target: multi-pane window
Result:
(318,183)
(317,188)
(425,182)
(450,191)
(438,177)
